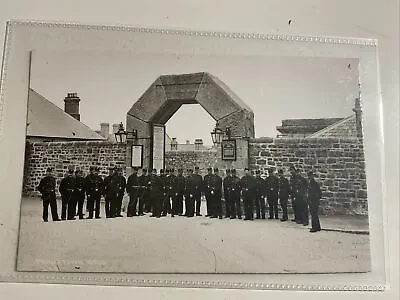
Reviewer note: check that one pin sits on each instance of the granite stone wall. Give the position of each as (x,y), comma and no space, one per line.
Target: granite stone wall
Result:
(338,163)
(189,159)
(59,155)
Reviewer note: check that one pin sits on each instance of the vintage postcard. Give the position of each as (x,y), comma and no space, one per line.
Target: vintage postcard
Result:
(198,161)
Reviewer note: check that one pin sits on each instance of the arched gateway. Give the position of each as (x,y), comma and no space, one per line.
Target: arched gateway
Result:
(167,94)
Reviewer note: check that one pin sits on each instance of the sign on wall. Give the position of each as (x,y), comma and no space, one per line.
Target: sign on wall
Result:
(158,146)
(228,148)
(137,156)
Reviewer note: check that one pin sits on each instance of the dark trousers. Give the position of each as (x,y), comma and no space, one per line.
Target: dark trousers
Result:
(248,200)
(314,216)
(197,198)
(108,200)
(208,204)
(177,204)
(133,201)
(295,209)
(142,202)
(217,206)
(189,205)
(156,204)
(118,204)
(93,203)
(273,205)
(148,202)
(260,206)
(302,208)
(49,199)
(283,200)
(228,201)
(79,200)
(236,209)
(66,200)
(166,204)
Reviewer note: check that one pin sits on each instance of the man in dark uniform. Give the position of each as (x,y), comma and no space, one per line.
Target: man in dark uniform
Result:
(120,188)
(79,192)
(164,177)
(107,194)
(147,205)
(179,190)
(234,194)
(218,194)
(155,193)
(171,193)
(94,189)
(248,186)
(132,188)
(227,189)
(189,194)
(198,185)
(207,187)
(301,199)
(143,191)
(66,189)
(284,191)
(314,196)
(293,193)
(272,186)
(47,187)
(260,196)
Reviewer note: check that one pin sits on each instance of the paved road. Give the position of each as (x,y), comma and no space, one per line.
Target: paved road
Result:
(194,245)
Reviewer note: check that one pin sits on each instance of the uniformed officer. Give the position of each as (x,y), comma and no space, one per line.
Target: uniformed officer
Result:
(314,196)
(207,188)
(198,185)
(132,188)
(248,186)
(121,185)
(66,189)
(148,201)
(227,189)
(164,177)
(79,192)
(293,181)
(155,193)
(94,189)
(284,191)
(272,187)
(180,191)
(301,199)
(171,194)
(234,193)
(260,196)
(143,191)
(189,194)
(47,187)
(218,194)
(107,194)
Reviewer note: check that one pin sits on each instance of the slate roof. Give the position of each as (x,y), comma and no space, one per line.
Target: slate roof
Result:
(47,120)
(341,129)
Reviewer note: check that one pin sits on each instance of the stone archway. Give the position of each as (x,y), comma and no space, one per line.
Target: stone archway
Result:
(169,92)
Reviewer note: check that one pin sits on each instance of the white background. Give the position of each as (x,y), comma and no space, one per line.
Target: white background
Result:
(344,18)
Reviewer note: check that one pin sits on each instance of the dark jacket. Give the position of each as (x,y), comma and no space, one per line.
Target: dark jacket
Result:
(314,192)
(284,188)
(132,185)
(67,185)
(47,186)
(94,184)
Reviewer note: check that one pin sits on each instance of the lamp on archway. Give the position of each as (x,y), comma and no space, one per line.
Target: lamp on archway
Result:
(216,135)
(121,136)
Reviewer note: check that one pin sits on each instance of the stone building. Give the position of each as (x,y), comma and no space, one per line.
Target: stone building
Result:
(47,122)
(198,145)
(301,128)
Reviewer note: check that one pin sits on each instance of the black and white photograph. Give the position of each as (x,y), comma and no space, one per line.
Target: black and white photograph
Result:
(163,163)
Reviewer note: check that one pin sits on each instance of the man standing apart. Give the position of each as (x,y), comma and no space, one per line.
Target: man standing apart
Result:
(272,184)
(284,191)
(79,193)
(47,187)
(94,189)
(248,186)
(132,188)
(314,196)
(260,196)
(66,189)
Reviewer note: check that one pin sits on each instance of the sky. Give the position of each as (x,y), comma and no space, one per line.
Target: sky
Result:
(276,88)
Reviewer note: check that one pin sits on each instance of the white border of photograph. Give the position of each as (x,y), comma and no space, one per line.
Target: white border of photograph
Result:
(24,36)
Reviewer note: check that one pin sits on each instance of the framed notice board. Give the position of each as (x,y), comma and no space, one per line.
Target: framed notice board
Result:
(137,156)
(228,148)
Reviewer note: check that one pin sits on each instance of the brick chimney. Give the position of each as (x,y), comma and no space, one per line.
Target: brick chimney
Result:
(198,143)
(174,144)
(71,105)
(105,130)
(115,128)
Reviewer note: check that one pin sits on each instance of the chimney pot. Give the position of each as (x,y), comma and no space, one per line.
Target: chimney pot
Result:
(71,105)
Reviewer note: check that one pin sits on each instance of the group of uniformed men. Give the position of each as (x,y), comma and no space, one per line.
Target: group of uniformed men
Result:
(164,193)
